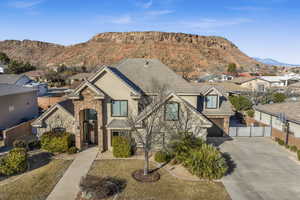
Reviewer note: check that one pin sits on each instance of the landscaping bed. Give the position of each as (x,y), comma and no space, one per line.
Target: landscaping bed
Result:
(34,184)
(166,188)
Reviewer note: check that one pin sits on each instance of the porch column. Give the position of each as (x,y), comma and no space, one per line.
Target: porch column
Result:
(100,127)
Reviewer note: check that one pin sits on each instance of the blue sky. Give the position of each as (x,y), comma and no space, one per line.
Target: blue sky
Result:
(261,28)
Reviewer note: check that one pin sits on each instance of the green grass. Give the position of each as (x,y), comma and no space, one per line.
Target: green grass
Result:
(36,184)
(167,188)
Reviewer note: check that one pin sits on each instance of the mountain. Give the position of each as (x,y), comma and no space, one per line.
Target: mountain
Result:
(177,50)
(269,61)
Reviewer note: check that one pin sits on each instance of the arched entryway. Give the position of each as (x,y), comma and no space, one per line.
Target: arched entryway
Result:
(89,126)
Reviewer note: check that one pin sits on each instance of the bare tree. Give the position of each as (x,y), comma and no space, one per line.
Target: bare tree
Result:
(148,126)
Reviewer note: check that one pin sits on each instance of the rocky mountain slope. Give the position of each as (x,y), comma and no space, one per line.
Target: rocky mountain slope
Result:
(178,50)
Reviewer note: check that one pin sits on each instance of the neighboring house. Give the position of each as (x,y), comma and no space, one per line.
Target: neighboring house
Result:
(17,104)
(215,78)
(98,109)
(79,77)
(25,81)
(254,84)
(294,88)
(271,115)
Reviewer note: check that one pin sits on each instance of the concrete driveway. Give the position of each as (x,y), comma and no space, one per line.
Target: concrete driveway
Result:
(263,170)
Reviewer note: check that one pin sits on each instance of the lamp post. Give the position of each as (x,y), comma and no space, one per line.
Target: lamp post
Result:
(285,125)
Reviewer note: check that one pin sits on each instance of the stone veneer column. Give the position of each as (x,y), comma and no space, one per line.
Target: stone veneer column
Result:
(88,101)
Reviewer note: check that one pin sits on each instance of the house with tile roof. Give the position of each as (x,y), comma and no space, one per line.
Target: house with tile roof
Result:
(99,107)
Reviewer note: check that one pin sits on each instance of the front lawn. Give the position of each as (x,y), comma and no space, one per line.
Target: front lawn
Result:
(36,184)
(167,188)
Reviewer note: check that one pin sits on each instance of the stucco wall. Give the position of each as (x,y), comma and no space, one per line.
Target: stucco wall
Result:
(253,84)
(15,108)
(116,89)
(57,119)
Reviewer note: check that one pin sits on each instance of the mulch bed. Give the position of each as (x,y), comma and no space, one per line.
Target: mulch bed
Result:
(151,177)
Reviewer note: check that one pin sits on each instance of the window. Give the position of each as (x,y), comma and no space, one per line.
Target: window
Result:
(172,112)
(118,133)
(119,108)
(212,101)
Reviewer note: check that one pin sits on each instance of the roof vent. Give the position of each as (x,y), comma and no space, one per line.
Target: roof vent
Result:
(146,63)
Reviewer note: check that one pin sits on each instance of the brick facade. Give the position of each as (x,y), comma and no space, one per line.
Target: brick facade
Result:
(88,101)
(292,140)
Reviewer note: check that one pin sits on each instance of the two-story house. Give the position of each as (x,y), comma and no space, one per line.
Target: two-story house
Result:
(98,109)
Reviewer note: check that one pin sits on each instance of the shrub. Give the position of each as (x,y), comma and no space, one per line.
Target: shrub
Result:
(287,146)
(34,145)
(294,148)
(183,147)
(280,142)
(72,150)
(162,156)
(298,154)
(121,147)
(14,162)
(19,144)
(206,162)
(278,97)
(56,142)
(250,113)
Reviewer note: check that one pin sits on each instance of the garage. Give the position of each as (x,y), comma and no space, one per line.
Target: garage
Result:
(217,129)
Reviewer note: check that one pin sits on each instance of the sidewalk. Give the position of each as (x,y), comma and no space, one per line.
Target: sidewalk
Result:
(68,186)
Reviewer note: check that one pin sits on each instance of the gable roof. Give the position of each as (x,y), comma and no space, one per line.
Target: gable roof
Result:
(66,106)
(142,72)
(10,78)
(151,108)
(75,94)
(11,89)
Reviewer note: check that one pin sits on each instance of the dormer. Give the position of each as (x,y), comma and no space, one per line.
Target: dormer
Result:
(212,99)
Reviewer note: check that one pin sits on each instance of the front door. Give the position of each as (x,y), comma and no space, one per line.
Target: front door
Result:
(90,127)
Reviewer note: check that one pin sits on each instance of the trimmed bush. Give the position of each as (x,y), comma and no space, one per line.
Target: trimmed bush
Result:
(298,154)
(56,142)
(280,142)
(294,148)
(121,147)
(14,162)
(162,157)
(19,144)
(206,162)
(72,150)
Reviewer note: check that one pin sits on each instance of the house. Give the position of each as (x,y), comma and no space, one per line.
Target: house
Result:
(215,78)
(277,116)
(254,84)
(98,109)
(25,81)
(17,104)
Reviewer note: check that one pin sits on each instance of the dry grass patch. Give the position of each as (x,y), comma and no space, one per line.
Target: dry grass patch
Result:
(167,188)
(35,184)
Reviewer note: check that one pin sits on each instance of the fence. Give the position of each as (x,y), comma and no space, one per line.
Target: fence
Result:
(251,131)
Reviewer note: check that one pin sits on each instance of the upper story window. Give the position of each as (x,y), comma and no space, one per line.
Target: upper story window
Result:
(119,108)
(172,111)
(212,101)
